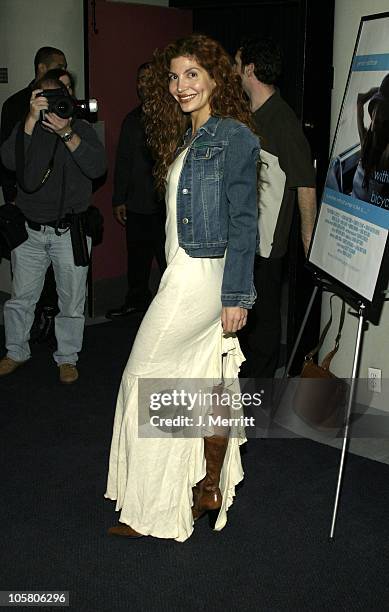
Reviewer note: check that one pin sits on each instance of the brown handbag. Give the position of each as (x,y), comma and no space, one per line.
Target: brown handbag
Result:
(320,397)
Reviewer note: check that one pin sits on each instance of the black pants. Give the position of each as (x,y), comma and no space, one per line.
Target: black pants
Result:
(261,337)
(145,239)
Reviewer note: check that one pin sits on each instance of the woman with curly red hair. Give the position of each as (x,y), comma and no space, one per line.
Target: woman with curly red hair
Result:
(198,127)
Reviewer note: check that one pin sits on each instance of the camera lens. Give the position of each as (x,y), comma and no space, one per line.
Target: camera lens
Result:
(63,108)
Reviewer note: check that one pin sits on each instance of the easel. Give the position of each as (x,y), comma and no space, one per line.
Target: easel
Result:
(334,246)
(324,285)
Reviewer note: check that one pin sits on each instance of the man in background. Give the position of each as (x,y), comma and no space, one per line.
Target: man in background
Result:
(137,207)
(286,172)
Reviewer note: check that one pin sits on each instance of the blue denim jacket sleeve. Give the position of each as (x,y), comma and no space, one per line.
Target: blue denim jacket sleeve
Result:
(240,184)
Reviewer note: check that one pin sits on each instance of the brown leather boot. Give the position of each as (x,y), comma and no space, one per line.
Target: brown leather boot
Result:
(124,530)
(206,494)
(197,490)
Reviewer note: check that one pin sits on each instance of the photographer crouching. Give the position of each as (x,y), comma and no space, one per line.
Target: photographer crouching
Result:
(55,155)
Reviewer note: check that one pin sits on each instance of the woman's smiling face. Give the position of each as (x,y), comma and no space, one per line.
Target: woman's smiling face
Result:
(191,86)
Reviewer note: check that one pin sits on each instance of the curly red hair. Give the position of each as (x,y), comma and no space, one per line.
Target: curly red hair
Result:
(165,123)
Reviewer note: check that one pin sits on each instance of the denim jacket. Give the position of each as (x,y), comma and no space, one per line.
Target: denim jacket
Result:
(217,203)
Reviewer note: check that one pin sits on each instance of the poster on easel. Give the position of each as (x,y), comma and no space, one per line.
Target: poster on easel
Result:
(352,227)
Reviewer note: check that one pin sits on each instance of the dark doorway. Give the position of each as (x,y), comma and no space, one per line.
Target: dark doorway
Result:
(304,30)
(120,37)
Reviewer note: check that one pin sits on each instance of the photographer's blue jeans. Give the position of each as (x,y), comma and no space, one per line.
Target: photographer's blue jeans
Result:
(30,261)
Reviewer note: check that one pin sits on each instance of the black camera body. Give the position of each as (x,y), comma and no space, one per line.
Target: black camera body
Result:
(65,106)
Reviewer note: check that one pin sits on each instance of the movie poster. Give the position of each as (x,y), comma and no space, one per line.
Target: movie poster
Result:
(353,222)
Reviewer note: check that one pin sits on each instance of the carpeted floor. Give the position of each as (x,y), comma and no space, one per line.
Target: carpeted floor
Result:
(274,553)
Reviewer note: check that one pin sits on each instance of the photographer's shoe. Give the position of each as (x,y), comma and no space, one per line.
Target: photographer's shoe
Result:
(8,365)
(68,373)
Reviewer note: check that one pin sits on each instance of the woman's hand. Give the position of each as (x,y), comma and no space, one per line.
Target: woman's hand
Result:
(362,98)
(233,318)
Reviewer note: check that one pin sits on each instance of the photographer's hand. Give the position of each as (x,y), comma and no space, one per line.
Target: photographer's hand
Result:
(36,105)
(61,127)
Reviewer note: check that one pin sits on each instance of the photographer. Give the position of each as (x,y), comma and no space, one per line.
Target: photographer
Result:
(72,150)
(15,109)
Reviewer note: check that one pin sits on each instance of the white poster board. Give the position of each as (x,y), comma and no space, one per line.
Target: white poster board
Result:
(353,222)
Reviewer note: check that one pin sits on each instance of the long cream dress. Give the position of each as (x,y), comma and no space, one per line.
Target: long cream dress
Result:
(181,337)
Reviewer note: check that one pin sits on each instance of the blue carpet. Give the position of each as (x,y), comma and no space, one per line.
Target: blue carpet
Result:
(274,553)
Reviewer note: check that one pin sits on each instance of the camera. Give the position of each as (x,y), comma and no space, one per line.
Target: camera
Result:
(65,106)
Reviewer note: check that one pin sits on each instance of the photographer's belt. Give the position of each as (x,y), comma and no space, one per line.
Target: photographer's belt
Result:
(62,224)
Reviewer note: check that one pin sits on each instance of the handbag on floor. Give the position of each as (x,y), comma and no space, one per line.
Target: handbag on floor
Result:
(320,396)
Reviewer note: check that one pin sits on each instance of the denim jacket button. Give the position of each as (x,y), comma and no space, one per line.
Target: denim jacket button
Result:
(185,191)
(185,220)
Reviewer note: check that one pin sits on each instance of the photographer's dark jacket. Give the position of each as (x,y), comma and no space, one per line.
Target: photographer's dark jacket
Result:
(76,170)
